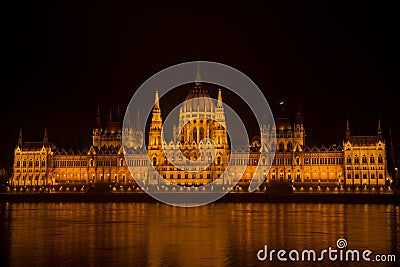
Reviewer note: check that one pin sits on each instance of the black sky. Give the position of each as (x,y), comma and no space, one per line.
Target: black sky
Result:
(339,60)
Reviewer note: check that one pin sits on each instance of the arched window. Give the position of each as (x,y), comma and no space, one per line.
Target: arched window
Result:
(91,163)
(18,163)
(121,162)
(290,146)
(263,161)
(364,159)
(372,159)
(273,146)
(281,146)
(380,159)
(218,160)
(356,159)
(195,135)
(201,133)
(37,163)
(348,160)
(154,161)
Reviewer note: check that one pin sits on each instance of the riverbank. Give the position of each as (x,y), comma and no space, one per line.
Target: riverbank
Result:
(228,198)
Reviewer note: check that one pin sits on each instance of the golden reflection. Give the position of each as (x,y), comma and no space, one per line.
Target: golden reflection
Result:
(219,234)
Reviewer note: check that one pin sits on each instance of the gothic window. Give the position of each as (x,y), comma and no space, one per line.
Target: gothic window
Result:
(364,159)
(195,135)
(121,162)
(24,163)
(298,177)
(18,163)
(43,163)
(36,163)
(30,163)
(281,146)
(91,163)
(372,159)
(171,176)
(380,159)
(297,161)
(290,146)
(218,160)
(263,161)
(201,133)
(273,146)
(154,161)
(348,159)
(356,159)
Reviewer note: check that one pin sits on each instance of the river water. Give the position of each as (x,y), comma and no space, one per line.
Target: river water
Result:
(219,234)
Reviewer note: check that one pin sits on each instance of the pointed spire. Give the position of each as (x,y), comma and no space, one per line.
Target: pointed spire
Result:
(219,98)
(110,117)
(299,117)
(138,121)
(98,120)
(347,130)
(45,138)
(379,130)
(198,76)
(118,113)
(156,101)
(20,138)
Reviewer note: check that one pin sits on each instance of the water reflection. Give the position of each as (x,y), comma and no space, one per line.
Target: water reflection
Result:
(151,234)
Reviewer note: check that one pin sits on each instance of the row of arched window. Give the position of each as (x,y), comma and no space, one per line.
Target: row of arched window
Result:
(38,163)
(364,159)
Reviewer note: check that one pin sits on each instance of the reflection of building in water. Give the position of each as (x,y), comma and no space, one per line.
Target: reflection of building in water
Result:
(359,161)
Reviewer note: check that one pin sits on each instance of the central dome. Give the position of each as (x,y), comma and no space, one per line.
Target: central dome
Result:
(198,100)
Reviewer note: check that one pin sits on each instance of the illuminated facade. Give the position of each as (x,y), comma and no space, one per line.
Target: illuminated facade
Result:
(360,161)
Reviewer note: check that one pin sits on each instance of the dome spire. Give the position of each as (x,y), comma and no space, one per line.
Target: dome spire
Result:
(198,76)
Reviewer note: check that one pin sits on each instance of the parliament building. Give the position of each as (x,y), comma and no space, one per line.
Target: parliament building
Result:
(359,162)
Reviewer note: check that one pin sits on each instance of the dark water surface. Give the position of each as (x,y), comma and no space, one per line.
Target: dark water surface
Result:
(219,234)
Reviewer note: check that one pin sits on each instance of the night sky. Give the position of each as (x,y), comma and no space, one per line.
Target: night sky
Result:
(338,60)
